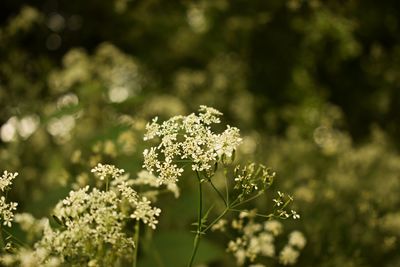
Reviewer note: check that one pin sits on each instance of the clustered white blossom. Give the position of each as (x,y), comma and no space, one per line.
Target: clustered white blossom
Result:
(6,180)
(91,221)
(93,224)
(103,170)
(297,239)
(290,253)
(7,209)
(257,239)
(142,209)
(30,225)
(25,257)
(188,138)
(146,213)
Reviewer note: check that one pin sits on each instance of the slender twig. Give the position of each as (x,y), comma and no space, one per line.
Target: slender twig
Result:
(22,244)
(256,214)
(136,240)
(2,243)
(199,223)
(216,220)
(235,204)
(218,192)
(226,185)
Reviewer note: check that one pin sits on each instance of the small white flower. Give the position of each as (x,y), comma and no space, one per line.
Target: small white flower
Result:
(295,215)
(273,227)
(104,170)
(6,179)
(288,255)
(297,239)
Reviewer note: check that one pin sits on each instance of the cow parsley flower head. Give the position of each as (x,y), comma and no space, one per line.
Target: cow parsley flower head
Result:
(7,211)
(256,239)
(103,170)
(7,208)
(274,227)
(94,222)
(288,255)
(297,239)
(146,213)
(253,241)
(188,138)
(6,180)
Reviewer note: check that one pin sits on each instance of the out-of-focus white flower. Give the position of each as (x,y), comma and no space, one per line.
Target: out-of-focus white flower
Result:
(297,239)
(273,227)
(288,255)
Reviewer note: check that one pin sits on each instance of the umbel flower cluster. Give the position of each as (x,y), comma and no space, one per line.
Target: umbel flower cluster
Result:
(94,225)
(257,240)
(188,138)
(6,209)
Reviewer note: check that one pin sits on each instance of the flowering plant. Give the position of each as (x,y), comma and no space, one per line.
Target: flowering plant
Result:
(100,226)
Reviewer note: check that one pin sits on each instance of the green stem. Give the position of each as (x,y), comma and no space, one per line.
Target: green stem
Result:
(17,241)
(218,192)
(195,247)
(234,204)
(226,185)
(2,243)
(199,217)
(136,240)
(216,220)
(269,216)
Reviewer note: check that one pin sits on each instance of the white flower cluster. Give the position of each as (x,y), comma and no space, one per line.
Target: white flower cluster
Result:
(188,138)
(6,180)
(290,253)
(103,170)
(142,209)
(256,240)
(93,223)
(30,258)
(146,213)
(7,209)
(30,225)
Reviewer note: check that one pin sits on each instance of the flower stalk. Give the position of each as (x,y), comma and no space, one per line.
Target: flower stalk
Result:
(199,223)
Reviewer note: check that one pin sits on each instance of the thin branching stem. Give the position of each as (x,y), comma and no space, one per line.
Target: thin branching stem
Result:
(136,240)
(216,220)
(199,223)
(226,186)
(269,216)
(235,203)
(218,192)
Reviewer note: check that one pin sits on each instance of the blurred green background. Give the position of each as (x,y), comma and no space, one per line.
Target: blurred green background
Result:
(313,85)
